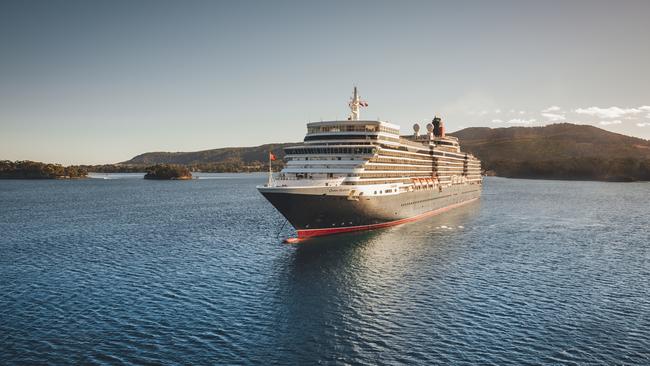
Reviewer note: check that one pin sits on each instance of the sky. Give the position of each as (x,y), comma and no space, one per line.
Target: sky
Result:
(92,82)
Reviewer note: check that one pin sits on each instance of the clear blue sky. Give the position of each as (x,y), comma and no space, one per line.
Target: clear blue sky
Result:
(102,81)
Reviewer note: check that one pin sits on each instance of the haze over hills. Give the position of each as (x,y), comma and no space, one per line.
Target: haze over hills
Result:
(557,151)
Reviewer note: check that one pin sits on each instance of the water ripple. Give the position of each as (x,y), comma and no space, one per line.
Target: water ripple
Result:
(126,271)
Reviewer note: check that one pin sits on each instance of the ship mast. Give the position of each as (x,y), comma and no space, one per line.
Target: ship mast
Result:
(355,104)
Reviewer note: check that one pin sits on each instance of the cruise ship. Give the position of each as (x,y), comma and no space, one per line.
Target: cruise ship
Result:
(359,174)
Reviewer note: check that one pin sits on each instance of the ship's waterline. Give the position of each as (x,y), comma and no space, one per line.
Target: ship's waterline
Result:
(316,215)
(362,174)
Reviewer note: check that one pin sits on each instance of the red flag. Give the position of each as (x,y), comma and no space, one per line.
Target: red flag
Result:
(271,156)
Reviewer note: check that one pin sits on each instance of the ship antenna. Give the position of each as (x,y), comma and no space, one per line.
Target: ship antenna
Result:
(355,104)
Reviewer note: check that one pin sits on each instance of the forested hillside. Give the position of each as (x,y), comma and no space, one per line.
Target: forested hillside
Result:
(559,151)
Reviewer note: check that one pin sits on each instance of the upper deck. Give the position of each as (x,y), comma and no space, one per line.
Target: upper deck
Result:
(373,132)
(346,130)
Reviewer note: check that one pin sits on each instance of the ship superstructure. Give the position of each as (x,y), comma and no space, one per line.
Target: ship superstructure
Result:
(362,174)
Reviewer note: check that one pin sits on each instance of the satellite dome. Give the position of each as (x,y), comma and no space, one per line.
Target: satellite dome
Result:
(416,127)
(429,127)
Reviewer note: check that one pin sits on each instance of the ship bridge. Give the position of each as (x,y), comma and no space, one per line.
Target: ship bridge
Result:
(350,131)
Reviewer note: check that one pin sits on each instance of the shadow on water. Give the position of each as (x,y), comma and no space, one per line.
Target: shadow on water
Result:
(336,286)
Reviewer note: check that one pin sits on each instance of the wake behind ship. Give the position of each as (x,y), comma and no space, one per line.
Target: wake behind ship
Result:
(361,174)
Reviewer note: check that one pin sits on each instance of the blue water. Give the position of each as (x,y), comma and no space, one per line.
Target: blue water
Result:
(128,271)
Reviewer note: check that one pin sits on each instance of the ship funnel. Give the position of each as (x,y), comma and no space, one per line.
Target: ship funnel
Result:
(438,127)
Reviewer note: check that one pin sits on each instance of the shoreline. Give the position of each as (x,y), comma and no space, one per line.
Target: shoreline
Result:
(262,172)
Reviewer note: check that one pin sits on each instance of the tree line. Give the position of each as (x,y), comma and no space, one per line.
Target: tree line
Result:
(168,171)
(26,169)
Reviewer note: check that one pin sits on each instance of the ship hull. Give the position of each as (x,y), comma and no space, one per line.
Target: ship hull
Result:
(324,214)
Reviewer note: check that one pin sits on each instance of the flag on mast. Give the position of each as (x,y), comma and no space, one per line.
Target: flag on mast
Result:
(271,158)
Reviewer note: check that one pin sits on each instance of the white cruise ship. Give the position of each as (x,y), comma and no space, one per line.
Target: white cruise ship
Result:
(362,174)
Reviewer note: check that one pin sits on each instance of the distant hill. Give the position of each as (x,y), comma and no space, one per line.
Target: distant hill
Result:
(557,151)
(228,159)
(556,141)
(243,154)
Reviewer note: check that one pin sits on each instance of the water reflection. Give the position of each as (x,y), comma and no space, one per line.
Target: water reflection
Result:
(350,287)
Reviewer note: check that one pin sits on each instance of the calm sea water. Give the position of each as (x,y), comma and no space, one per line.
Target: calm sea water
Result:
(113,271)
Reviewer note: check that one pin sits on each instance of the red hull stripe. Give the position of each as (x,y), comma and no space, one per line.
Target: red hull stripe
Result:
(307,233)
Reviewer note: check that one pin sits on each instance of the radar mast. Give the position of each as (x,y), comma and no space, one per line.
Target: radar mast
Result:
(355,104)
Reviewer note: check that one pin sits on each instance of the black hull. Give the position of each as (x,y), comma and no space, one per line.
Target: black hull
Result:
(313,215)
